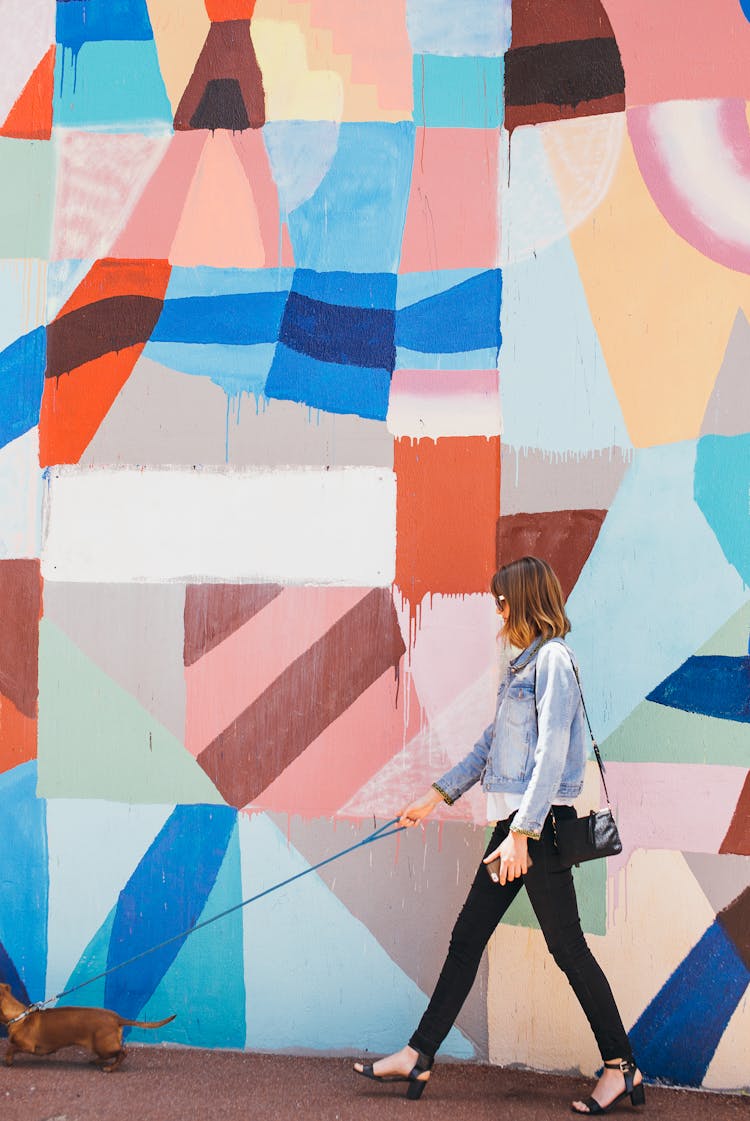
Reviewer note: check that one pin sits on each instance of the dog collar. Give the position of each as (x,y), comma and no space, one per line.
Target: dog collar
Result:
(22,1016)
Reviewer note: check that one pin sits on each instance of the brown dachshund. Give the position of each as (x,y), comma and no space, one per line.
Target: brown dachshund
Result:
(43,1031)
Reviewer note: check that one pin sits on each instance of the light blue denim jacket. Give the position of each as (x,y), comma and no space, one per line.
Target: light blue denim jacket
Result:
(536,750)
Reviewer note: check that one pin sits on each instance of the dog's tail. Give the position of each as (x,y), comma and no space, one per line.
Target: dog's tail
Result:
(148,1024)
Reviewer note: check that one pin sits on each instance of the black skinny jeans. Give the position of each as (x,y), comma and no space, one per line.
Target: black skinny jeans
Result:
(553,897)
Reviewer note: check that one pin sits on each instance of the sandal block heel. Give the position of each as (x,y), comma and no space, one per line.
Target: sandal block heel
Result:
(638,1095)
(415,1088)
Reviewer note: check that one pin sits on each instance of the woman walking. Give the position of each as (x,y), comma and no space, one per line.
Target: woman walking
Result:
(530,762)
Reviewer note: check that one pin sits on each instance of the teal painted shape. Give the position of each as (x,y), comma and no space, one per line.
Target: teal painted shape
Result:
(97,741)
(92,962)
(458,92)
(27,191)
(235,369)
(722,488)
(556,392)
(653,733)
(205,985)
(111,86)
(202,280)
(413,287)
(653,589)
(591,893)
(354,222)
(25,877)
(483,359)
(316,977)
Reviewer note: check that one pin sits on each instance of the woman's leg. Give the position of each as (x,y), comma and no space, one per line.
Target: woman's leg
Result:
(485,905)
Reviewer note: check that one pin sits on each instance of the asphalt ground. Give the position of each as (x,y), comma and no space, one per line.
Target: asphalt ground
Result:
(169,1084)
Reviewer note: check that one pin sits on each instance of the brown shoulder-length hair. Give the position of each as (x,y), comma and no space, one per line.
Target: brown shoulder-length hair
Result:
(535,601)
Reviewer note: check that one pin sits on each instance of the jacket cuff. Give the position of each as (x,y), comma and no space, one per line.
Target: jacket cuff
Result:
(446,797)
(534,836)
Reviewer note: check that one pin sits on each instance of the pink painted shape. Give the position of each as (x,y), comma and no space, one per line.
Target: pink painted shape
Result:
(348,752)
(671,187)
(673,50)
(655,805)
(227,679)
(452,216)
(253,158)
(151,228)
(445,383)
(220,223)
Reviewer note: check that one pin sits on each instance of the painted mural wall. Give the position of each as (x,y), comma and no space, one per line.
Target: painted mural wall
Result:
(311,312)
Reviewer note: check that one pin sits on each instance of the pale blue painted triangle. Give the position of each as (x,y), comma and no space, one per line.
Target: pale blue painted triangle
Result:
(97,741)
(92,962)
(205,985)
(316,977)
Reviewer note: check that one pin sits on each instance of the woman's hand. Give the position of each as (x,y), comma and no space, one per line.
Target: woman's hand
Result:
(417,811)
(514,857)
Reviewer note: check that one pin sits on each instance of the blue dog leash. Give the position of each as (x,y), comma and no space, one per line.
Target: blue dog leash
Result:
(377,835)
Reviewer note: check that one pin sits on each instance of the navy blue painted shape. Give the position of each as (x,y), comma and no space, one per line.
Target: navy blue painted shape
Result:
(234,320)
(710,684)
(89,21)
(676,1037)
(348,336)
(165,895)
(465,317)
(21,384)
(326,385)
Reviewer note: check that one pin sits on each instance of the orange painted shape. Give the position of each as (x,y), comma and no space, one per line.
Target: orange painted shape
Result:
(18,736)
(113,277)
(74,405)
(31,115)
(220,10)
(447,505)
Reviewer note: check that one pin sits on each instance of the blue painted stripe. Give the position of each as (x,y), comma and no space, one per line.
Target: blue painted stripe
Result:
(713,685)
(239,319)
(466,317)
(349,336)
(677,1035)
(350,289)
(86,21)
(457,360)
(328,386)
(21,384)
(25,889)
(165,895)
(235,369)
(203,280)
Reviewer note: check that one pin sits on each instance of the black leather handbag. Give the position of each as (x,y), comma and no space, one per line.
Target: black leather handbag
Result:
(578,839)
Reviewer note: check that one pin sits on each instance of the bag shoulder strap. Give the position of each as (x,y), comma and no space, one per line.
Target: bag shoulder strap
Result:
(594,744)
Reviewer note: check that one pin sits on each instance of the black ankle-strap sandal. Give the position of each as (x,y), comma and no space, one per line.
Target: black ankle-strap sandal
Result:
(416,1084)
(637,1094)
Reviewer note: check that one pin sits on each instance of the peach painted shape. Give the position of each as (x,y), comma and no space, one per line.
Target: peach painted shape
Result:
(655,806)
(220,224)
(226,680)
(152,226)
(346,755)
(253,157)
(707,55)
(452,216)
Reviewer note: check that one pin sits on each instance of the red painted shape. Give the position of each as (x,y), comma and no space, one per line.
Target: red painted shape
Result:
(564,538)
(447,505)
(558,21)
(737,839)
(219,10)
(114,277)
(214,611)
(31,115)
(18,736)
(20,610)
(516,115)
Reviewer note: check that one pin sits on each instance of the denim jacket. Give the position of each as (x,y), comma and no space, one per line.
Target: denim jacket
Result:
(536,750)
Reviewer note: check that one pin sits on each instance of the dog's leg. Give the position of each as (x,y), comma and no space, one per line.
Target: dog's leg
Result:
(11,1051)
(117,1059)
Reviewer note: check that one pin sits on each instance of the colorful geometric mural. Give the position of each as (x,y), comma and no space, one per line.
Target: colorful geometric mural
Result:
(311,314)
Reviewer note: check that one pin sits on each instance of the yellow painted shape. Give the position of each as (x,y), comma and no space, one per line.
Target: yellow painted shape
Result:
(658,913)
(180,30)
(293,90)
(663,311)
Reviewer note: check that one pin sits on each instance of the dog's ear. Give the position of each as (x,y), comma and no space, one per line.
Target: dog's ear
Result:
(5,988)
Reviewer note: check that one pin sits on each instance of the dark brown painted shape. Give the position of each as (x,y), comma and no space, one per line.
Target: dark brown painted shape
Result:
(564,538)
(558,21)
(517,115)
(20,606)
(228,53)
(214,611)
(308,696)
(735,919)
(737,839)
(114,323)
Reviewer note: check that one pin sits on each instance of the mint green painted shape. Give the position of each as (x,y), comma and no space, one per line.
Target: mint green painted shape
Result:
(655,733)
(27,191)
(93,961)
(731,639)
(205,984)
(591,892)
(96,741)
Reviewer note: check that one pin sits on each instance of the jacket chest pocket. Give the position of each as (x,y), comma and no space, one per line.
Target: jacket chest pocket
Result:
(519,706)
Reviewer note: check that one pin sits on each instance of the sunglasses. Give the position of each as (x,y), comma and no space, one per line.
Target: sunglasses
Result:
(501,602)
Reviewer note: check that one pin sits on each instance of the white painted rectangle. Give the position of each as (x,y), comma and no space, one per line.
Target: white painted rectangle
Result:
(291,525)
